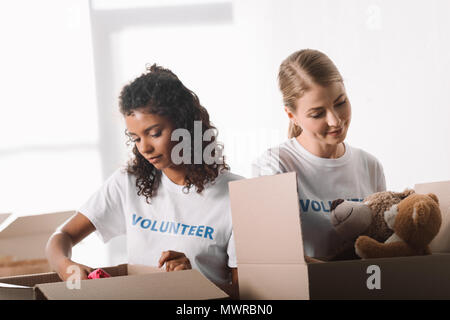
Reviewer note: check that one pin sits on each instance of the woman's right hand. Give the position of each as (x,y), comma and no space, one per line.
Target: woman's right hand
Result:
(69,269)
(59,247)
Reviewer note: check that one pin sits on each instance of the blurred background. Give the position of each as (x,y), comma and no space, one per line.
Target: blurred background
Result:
(63,63)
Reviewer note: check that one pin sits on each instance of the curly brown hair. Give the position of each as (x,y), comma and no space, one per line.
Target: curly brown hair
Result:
(160,92)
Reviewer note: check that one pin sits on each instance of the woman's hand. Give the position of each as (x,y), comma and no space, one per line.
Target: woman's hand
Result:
(59,247)
(68,269)
(174,261)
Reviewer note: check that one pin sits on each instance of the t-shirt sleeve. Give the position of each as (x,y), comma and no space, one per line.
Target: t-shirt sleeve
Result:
(267,164)
(231,251)
(105,208)
(381,180)
(376,173)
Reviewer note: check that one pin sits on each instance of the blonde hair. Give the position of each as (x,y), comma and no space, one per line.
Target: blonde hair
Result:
(298,72)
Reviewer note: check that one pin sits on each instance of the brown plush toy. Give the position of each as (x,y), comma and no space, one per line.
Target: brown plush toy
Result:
(416,220)
(352,219)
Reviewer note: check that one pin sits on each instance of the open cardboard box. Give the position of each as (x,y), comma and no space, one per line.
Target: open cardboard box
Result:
(23,240)
(3,217)
(271,262)
(127,282)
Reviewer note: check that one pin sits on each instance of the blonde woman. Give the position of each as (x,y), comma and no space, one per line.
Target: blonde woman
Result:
(327,167)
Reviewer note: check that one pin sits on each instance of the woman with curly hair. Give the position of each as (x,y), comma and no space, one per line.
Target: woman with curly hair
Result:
(172,203)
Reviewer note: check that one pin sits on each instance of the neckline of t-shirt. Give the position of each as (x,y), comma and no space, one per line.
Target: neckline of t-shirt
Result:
(323,161)
(172,186)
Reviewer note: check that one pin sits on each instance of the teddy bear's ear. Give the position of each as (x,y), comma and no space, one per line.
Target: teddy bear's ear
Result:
(434,197)
(406,193)
(335,203)
(420,213)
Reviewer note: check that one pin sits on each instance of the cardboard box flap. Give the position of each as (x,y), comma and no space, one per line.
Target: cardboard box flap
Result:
(273,281)
(134,269)
(21,267)
(31,280)
(3,217)
(180,285)
(264,209)
(151,284)
(34,224)
(441,243)
(25,237)
(12,286)
(117,271)
(15,292)
(22,287)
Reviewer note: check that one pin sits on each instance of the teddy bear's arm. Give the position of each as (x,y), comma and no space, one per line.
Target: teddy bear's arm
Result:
(368,248)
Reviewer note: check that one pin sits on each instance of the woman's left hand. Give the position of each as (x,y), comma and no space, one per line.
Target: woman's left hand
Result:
(174,261)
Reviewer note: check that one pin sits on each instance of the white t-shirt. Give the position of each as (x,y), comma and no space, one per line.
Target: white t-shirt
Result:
(199,225)
(353,176)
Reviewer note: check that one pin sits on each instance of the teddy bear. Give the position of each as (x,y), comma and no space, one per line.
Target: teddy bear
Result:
(351,219)
(416,220)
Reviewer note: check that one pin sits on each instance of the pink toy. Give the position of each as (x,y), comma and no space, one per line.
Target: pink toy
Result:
(97,274)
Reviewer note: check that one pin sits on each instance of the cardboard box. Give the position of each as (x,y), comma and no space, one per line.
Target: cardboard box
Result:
(128,282)
(23,240)
(9,267)
(270,256)
(441,243)
(3,217)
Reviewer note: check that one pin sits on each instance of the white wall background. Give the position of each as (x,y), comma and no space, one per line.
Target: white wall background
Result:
(394,56)
(63,64)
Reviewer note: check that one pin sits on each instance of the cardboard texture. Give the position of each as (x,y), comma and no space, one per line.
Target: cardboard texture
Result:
(3,217)
(127,283)
(267,231)
(22,287)
(441,243)
(270,256)
(23,240)
(419,277)
(11,268)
